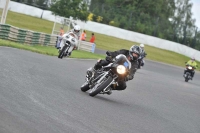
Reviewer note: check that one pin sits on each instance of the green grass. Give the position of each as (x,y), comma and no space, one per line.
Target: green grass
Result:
(102,41)
(29,22)
(32,23)
(1,10)
(49,50)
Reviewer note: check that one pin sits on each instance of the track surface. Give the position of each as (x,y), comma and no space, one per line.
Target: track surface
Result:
(41,94)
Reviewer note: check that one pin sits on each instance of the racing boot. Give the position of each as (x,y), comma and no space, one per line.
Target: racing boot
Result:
(109,91)
(90,71)
(69,54)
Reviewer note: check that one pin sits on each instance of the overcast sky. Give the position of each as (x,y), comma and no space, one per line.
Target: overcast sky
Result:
(196,12)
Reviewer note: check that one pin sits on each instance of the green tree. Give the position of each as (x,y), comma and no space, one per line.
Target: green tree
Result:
(41,3)
(78,9)
(183,23)
(167,19)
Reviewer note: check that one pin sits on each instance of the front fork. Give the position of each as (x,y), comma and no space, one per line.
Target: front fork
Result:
(107,88)
(69,48)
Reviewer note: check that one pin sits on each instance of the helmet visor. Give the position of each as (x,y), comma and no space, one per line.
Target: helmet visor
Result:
(76,31)
(135,55)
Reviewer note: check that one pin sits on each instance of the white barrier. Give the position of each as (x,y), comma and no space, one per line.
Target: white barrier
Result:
(112,31)
(87,46)
(141,38)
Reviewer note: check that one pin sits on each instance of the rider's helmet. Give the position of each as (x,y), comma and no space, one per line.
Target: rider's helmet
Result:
(142,47)
(77,29)
(134,52)
(193,59)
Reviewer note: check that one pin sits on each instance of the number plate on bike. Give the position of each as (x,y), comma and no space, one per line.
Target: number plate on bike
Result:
(126,64)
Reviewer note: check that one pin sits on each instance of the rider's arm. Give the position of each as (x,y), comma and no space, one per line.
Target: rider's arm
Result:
(196,66)
(187,63)
(115,53)
(132,71)
(145,54)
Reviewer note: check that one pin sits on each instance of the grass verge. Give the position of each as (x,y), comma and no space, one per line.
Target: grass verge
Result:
(102,41)
(49,50)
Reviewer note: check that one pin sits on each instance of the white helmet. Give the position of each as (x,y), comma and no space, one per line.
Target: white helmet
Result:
(77,29)
(193,58)
(142,45)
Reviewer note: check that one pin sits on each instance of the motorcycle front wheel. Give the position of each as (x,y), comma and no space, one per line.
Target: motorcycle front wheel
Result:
(85,87)
(187,77)
(62,52)
(99,87)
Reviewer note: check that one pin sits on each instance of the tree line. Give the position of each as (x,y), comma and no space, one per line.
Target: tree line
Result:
(167,19)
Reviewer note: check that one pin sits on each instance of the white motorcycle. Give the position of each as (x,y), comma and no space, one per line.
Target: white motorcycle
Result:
(68,43)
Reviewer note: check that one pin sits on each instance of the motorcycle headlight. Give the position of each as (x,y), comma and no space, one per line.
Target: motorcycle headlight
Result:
(190,67)
(121,69)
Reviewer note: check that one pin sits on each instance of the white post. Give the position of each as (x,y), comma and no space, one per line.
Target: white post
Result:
(54,25)
(4,13)
(68,26)
(82,28)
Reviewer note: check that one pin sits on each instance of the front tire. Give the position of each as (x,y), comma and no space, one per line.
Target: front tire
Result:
(85,87)
(102,85)
(61,53)
(187,77)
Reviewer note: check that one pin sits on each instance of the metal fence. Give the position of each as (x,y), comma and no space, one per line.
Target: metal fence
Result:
(11,33)
(8,32)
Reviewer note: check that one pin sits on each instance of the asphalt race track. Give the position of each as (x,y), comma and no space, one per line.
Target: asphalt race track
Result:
(41,94)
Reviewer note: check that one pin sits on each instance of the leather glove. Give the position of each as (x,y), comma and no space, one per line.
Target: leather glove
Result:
(108,53)
(109,58)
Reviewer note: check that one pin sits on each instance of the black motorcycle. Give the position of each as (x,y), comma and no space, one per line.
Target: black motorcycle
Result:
(188,73)
(103,80)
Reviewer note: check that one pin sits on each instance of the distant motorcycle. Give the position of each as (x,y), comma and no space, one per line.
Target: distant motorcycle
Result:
(101,80)
(68,43)
(188,73)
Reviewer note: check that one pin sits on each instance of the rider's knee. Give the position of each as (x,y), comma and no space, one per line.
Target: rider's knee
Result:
(121,86)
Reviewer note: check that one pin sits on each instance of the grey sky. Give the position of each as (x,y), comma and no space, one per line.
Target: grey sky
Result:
(196,12)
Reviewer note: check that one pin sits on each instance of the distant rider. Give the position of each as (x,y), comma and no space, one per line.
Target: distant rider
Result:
(142,55)
(76,31)
(192,63)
